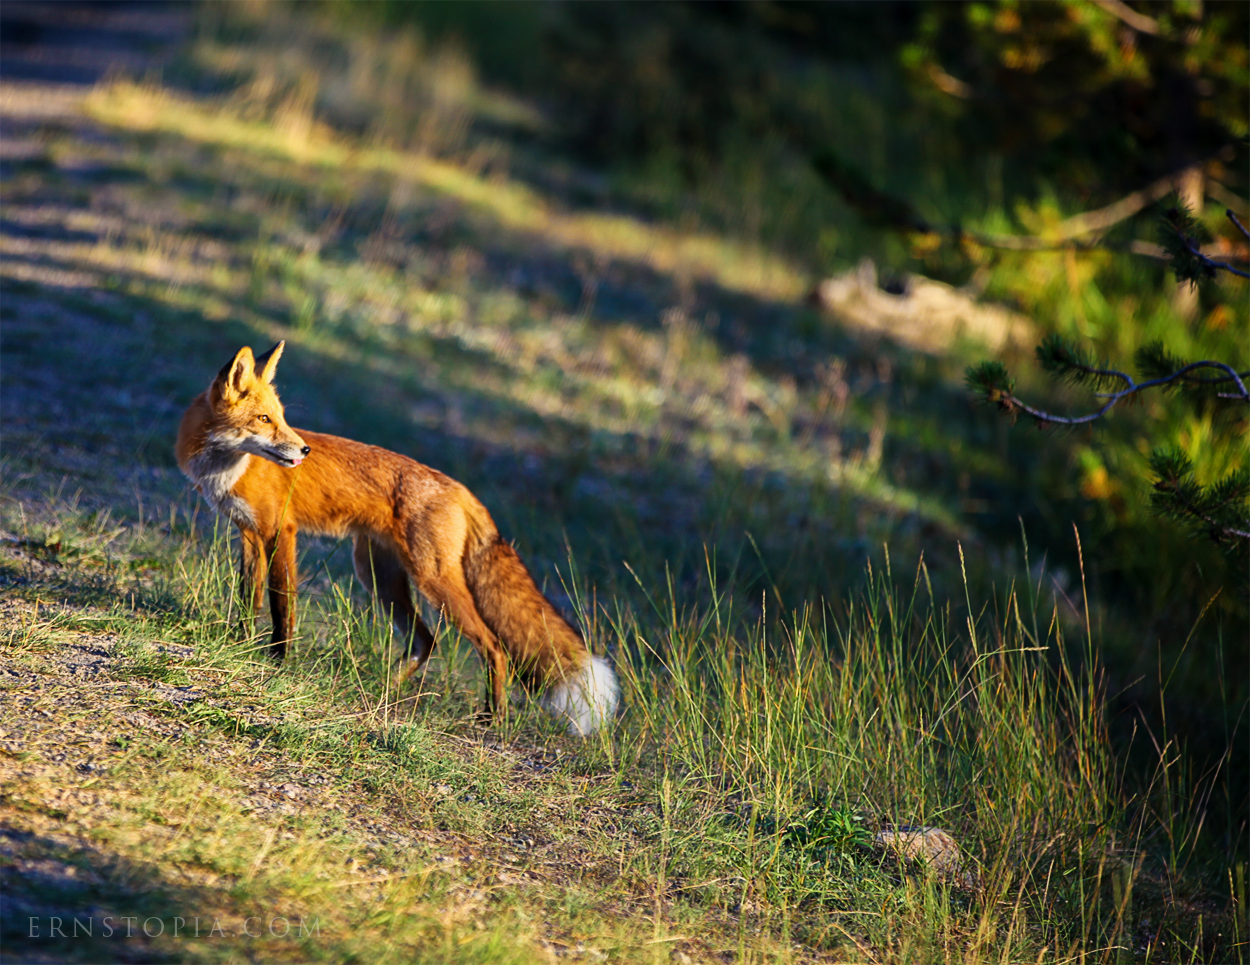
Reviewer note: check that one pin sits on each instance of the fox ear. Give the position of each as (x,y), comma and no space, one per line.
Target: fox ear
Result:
(267,364)
(233,379)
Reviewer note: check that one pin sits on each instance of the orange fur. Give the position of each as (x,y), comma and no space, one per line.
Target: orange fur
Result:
(412,525)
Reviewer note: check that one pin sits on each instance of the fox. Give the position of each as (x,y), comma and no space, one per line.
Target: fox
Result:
(411,527)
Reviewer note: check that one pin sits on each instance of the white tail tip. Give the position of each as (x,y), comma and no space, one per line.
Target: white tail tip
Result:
(586,699)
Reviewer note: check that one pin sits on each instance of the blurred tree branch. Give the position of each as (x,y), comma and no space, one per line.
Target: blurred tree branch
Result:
(1138,21)
(1104,218)
(1065,361)
(887,211)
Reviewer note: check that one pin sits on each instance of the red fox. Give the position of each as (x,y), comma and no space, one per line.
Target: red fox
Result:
(409,523)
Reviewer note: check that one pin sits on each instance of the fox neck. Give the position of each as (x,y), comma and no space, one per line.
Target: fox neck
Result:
(215,469)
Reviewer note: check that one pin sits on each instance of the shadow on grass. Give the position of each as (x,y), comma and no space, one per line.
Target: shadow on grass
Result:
(643,496)
(63,900)
(67,901)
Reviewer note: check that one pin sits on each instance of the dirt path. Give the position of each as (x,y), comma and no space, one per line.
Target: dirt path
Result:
(51,56)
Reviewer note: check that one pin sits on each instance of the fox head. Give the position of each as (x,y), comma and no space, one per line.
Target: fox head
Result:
(248,415)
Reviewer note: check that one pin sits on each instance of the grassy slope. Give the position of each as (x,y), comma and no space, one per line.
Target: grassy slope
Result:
(621,389)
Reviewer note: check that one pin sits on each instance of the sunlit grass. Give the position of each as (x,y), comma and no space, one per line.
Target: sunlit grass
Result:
(145,108)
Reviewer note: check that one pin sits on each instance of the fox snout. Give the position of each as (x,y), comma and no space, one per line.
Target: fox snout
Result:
(288,452)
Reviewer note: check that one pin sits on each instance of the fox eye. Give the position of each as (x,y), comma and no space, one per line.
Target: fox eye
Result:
(263,418)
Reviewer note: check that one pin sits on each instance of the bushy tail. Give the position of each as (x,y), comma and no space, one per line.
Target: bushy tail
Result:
(587,699)
(547,653)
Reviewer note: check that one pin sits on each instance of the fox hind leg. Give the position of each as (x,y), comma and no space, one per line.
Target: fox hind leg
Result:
(381,573)
(448,591)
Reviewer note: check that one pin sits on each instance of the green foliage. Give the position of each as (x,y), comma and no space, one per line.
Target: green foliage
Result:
(1221,509)
(991,380)
(876,207)
(1154,361)
(891,714)
(1063,359)
(692,80)
(826,829)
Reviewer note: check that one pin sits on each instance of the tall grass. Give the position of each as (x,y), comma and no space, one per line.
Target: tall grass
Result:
(759,737)
(901,715)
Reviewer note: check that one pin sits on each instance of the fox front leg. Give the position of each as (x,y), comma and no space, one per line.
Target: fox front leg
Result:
(253,561)
(283,579)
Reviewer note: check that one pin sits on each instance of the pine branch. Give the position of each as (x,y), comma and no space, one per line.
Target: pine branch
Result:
(991,380)
(1159,368)
(1177,493)
(1221,508)
(1156,362)
(1188,260)
(1066,361)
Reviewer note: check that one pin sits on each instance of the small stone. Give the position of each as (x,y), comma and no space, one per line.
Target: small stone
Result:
(933,846)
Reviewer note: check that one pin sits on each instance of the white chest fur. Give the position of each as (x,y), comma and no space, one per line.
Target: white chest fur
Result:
(215,472)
